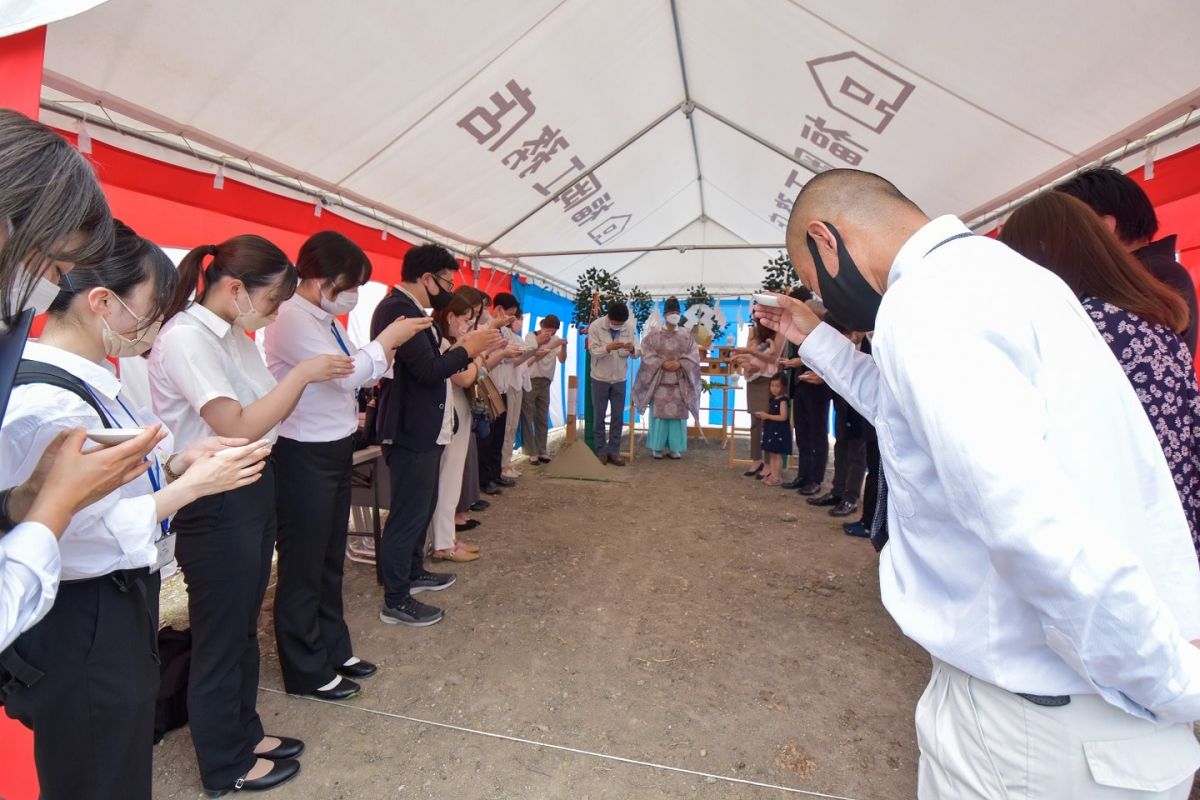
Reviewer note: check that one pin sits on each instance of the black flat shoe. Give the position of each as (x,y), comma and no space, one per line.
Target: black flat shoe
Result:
(507,483)
(344,690)
(469,525)
(750,473)
(824,501)
(480,505)
(363,669)
(796,484)
(492,490)
(288,748)
(282,772)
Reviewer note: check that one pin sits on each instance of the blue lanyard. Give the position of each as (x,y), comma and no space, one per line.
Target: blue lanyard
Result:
(155,472)
(338,336)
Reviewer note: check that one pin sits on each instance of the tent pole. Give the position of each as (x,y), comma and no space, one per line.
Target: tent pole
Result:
(689,107)
(754,136)
(681,248)
(612,154)
(1189,123)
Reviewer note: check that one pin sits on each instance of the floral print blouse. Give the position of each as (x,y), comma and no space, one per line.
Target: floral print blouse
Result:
(1159,365)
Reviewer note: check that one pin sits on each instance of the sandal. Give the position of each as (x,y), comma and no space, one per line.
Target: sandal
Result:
(470,547)
(457,554)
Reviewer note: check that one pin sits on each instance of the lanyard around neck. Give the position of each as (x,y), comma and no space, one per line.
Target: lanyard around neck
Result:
(338,336)
(155,471)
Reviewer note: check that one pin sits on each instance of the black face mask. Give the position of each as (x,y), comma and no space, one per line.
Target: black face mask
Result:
(440,300)
(848,297)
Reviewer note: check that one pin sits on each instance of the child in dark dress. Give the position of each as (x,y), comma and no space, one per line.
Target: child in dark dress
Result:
(776,432)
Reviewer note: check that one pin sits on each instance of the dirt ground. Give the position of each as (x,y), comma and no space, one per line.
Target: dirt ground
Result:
(690,617)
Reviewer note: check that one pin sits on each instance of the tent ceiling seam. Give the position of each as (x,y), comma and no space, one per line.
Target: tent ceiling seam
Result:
(741,205)
(452,94)
(931,82)
(687,98)
(658,208)
(754,137)
(676,233)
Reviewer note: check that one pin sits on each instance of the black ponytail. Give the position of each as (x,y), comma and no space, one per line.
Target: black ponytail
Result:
(251,259)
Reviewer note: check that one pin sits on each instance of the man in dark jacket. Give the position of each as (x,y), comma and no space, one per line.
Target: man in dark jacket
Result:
(415,420)
(1127,211)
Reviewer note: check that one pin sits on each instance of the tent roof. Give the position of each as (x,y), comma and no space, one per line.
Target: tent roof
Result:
(463,120)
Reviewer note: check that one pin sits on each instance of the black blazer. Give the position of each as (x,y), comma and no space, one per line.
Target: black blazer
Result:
(411,404)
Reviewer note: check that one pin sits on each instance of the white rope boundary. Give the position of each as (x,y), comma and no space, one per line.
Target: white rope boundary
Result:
(560,748)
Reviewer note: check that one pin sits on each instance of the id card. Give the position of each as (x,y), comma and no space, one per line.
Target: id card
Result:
(166,551)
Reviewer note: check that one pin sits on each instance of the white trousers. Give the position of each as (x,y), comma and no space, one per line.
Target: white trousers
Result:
(512,401)
(450,478)
(980,742)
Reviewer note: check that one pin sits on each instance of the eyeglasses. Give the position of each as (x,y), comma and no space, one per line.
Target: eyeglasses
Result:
(442,285)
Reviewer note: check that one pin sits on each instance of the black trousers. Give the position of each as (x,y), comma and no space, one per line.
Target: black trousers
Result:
(810,419)
(490,449)
(84,679)
(871,493)
(849,467)
(313,513)
(414,496)
(224,549)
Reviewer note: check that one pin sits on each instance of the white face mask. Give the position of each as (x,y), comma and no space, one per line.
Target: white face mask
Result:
(672,319)
(344,303)
(119,346)
(44,290)
(250,320)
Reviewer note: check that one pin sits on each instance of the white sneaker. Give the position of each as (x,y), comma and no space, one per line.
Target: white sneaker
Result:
(657,454)
(675,456)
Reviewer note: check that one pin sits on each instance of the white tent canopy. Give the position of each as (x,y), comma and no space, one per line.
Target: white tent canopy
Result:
(477,123)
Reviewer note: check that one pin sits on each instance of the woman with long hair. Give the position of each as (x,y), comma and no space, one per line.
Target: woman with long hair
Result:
(92,707)
(53,219)
(206,378)
(454,321)
(313,461)
(1139,318)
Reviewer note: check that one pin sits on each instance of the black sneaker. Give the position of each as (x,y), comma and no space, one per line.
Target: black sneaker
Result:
(809,489)
(413,613)
(844,509)
(828,499)
(431,582)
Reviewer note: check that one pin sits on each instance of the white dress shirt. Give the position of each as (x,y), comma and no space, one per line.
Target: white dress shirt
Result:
(520,372)
(1036,538)
(547,366)
(509,376)
(327,411)
(118,530)
(29,568)
(197,358)
(610,367)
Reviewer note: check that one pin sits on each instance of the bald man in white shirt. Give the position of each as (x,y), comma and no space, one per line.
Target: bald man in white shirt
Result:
(1038,549)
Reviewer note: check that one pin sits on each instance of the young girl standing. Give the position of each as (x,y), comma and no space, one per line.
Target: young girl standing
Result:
(777,433)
